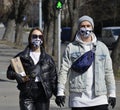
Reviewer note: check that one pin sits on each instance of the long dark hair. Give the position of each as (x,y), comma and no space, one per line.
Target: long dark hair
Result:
(30,35)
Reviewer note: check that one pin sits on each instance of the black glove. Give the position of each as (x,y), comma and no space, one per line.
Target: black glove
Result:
(60,100)
(112,101)
(19,78)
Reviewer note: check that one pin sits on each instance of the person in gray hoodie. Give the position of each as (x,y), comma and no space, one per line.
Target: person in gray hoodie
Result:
(91,88)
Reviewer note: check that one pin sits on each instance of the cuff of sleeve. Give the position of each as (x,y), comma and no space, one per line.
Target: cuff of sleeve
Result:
(60,92)
(112,94)
(22,74)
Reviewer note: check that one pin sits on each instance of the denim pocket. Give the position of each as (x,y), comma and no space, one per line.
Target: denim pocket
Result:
(101,57)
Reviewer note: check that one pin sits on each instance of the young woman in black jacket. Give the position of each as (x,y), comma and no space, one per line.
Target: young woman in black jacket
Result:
(35,93)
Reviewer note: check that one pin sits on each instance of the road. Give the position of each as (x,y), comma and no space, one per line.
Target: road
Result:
(8,92)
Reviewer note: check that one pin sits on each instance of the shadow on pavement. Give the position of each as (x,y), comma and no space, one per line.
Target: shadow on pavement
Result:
(3,80)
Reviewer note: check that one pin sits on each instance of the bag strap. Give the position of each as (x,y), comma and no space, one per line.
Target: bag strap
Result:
(94,48)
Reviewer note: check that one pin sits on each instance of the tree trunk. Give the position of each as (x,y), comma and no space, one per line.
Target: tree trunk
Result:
(22,11)
(55,37)
(116,58)
(50,38)
(73,7)
(9,31)
(50,30)
(19,34)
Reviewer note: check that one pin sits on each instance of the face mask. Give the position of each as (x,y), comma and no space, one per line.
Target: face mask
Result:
(36,42)
(86,32)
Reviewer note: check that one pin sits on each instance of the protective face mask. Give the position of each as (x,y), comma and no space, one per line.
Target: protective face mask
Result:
(86,32)
(36,42)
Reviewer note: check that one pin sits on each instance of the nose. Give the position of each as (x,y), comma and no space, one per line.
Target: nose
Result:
(37,38)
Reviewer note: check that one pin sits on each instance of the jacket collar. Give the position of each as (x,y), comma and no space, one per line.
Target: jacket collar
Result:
(79,41)
(26,52)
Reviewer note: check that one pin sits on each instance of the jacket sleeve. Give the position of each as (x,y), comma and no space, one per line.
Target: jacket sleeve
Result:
(109,76)
(11,73)
(53,76)
(108,69)
(63,74)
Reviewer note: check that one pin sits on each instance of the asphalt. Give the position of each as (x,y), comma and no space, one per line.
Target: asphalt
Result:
(9,95)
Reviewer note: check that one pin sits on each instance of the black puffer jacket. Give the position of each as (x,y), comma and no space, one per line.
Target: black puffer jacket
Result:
(46,71)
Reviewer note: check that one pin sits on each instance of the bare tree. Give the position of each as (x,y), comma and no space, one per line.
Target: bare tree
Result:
(116,50)
(15,20)
(73,7)
(50,26)
(21,13)
(116,57)
(10,21)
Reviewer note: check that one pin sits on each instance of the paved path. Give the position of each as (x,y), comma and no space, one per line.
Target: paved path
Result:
(8,92)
